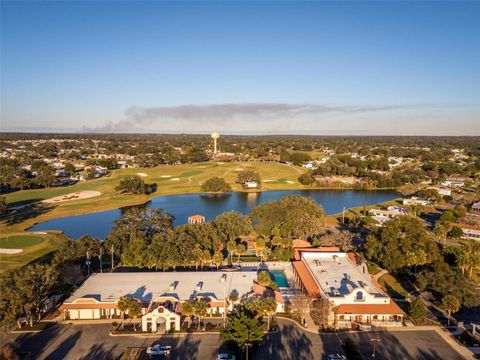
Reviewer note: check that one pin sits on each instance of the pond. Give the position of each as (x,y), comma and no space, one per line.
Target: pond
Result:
(183,205)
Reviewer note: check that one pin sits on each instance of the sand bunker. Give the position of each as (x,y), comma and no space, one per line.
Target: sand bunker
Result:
(10,251)
(80,195)
(290,182)
(175,179)
(239,169)
(165,176)
(268,180)
(142,174)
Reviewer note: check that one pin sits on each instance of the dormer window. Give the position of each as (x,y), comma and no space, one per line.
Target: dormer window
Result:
(359,296)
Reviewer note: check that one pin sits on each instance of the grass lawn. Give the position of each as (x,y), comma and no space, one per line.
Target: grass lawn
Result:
(36,248)
(171,179)
(393,286)
(19,241)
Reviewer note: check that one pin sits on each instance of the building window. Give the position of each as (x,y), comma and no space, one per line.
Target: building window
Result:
(359,296)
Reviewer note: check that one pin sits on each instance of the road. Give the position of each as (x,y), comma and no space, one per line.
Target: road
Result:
(65,341)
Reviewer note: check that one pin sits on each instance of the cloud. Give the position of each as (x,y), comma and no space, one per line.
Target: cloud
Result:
(235,117)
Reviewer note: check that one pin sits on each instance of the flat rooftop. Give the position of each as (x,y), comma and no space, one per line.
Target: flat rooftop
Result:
(337,275)
(148,286)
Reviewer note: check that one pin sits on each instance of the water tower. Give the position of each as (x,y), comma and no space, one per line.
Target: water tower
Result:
(215,136)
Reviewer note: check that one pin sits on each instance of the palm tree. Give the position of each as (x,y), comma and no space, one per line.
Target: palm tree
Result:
(187,310)
(200,308)
(260,245)
(268,307)
(218,259)
(451,305)
(240,250)
(231,247)
(122,305)
(134,310)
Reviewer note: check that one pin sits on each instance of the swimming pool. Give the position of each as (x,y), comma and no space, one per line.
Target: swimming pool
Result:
(279,277)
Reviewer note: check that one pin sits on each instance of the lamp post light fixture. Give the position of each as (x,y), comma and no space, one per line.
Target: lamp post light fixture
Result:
(374,347)
(247,345)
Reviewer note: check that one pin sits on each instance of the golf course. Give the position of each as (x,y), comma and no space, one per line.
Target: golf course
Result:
(38,205)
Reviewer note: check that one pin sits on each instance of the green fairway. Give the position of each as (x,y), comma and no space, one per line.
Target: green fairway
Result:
(19,241)
(36,248)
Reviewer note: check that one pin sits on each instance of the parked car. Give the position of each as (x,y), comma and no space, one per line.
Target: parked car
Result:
(159,350)
(336,357)
(225,356)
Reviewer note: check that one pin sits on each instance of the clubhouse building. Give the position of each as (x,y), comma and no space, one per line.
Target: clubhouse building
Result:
(161,295)
(354,297)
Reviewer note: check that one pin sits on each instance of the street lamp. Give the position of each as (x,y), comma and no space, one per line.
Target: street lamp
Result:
(374,347)
(247,345)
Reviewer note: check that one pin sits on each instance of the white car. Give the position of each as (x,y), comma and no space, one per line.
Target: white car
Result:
(336,357)
(225,356)
(159,350)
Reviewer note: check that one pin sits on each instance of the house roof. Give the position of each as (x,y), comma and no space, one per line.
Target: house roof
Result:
(391,308)
(298,251)
(306,278)
(299,243)
(467,226)
(149,286)
(264,291)
(337,275)
(197,217)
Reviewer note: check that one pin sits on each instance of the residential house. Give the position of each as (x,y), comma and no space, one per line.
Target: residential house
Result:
(471,232)
(382,216)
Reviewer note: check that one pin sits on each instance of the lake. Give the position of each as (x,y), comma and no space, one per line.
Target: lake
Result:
(183,205)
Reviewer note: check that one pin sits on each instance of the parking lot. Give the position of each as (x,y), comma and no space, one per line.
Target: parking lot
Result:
(93,342)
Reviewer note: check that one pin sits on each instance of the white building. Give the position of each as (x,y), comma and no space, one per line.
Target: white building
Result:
(471,232)
(251,184)
(354,297)
(382,216)
(442,190)
(98,296)
(416,200)
(455,182)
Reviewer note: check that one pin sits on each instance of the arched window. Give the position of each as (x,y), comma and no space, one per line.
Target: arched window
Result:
(359,296)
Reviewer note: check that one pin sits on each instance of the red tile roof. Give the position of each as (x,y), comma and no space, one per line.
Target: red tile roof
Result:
(261,290)
(306,278)
(299,243)
(391,308)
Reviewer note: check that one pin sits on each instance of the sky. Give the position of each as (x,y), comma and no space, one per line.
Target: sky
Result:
(276,67)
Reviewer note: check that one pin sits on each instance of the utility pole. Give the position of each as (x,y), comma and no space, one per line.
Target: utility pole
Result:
(100,258)
(112,257)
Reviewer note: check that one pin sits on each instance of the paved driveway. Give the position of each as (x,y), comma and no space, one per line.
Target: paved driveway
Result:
(93,342)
